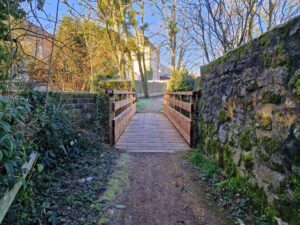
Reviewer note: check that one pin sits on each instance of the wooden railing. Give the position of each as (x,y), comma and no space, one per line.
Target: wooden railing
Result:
(122,107)
(10,195)
(180,108)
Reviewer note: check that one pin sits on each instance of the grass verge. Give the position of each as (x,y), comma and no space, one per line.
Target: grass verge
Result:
(243,201)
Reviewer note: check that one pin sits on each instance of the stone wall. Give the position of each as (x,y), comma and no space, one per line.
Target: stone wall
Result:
(86,110)
(249,109)
(81,106)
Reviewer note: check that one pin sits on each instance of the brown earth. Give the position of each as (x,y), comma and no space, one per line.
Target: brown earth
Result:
(163,189)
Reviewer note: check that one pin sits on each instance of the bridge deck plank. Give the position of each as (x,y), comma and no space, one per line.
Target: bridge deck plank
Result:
(151,132)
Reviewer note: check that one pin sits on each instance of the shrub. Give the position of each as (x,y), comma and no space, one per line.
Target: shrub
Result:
(14,147)
(180,81)
(113,85)
(51,130)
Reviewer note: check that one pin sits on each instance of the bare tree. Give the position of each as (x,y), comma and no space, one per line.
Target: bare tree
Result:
(174,36)
(218,26)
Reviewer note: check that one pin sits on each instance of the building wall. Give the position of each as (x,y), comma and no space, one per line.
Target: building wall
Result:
(152,61)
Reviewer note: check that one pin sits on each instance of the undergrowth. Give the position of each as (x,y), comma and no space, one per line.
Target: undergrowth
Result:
(241,199)
(208,168)
(65,194)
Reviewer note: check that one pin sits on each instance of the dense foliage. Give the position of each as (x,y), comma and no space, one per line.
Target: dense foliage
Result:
(36,122)
(84,60)
(68,193)
(180,81)
(113,85)
(14,146)
(16,12)
(27,125)
(50,129)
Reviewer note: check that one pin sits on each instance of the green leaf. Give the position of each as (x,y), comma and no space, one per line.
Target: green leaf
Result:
(40,168)
(1,156)
(7,141)
(9,168)
(240,221)
(5,126)
(120,206)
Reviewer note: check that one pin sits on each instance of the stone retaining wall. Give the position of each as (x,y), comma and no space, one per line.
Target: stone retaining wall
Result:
(81,106)
(249,110)
(87,110)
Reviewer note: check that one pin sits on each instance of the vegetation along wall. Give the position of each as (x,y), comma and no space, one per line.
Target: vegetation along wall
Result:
(249,110)
(86,110)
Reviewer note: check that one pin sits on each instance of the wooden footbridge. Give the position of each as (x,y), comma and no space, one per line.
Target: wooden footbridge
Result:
(170,131)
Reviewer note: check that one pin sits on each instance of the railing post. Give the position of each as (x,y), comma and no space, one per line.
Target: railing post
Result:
(192,117)
(112,115)
(180,99)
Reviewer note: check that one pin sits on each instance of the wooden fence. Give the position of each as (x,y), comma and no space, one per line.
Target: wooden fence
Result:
(180,108)
(122,107)
(10,195)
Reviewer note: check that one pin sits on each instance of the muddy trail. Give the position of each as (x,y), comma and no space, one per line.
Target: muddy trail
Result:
(160,189)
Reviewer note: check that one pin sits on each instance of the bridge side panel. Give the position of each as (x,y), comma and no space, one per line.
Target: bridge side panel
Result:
(122,107)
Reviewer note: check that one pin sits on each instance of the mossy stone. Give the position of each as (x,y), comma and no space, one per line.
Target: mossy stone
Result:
(270,145)
(294,83)
(270,97)
(248,160)
(247,139)
(264,40)
(264,122)
(223,116)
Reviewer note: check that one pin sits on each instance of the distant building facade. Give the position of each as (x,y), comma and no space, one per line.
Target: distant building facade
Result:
(152,61)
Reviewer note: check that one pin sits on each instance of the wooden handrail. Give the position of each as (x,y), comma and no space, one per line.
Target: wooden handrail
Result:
(10,195)
(122,107)
(187,93)
(180,109)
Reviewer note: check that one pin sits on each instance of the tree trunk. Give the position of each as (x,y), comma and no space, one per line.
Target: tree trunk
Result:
(144,81)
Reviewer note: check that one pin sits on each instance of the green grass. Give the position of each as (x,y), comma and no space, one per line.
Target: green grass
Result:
(243,200)
(142,103)
(208,167)
(118,181)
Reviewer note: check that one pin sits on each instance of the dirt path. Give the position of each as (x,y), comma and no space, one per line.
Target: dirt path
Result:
(158,189)
(162,189)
